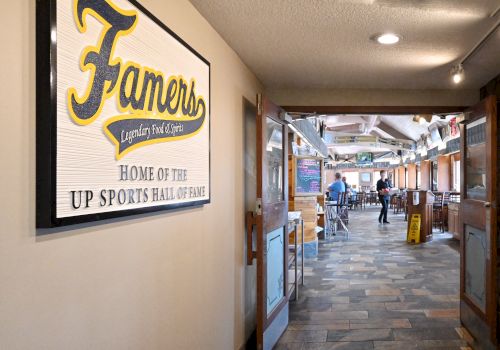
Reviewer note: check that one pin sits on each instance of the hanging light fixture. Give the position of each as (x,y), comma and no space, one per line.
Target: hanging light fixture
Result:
(422,118)
(457,73)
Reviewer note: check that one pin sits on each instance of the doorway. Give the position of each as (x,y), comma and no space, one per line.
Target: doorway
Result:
(375,290)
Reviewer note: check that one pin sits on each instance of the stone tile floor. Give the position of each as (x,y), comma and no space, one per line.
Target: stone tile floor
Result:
(375,291)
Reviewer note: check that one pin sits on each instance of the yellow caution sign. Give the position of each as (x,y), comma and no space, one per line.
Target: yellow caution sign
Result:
(414,231)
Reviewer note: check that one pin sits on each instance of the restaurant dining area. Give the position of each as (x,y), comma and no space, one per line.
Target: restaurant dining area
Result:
(422,171)
(399,281)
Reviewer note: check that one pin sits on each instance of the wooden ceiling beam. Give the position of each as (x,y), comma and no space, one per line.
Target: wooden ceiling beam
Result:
(375,109)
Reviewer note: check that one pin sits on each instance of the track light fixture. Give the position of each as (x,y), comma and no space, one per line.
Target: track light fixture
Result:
(457,73)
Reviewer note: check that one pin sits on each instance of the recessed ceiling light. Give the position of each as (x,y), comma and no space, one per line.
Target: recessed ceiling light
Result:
(387,38)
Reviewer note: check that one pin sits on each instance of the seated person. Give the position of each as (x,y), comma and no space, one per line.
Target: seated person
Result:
(336,188)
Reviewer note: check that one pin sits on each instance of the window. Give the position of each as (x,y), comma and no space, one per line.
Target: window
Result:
(352,179)
(434,176)
(419,183)
(456,175)
(406,177)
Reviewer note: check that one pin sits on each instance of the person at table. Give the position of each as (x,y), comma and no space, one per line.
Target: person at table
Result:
(336,188)
(383,188)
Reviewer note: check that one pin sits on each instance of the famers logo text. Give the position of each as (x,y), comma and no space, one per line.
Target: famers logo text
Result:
(155,108)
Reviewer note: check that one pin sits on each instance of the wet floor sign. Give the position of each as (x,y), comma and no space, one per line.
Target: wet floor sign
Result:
(414,231)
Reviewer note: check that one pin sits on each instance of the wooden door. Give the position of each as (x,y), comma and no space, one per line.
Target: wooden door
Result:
(478,268)
(270,221)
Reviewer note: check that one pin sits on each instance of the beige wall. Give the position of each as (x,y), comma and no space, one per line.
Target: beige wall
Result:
(366,97)
(173,280)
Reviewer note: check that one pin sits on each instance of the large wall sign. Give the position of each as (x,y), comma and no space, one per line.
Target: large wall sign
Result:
(123,113)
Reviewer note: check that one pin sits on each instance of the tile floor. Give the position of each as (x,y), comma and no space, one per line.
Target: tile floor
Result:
(375,291)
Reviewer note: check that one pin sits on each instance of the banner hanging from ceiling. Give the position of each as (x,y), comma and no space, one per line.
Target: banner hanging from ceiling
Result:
(123,113)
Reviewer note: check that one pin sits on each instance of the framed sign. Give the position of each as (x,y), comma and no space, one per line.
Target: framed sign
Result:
(307,176)
(123,114)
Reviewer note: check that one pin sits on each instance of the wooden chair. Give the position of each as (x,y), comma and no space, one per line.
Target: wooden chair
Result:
(393,202)
(399,204)
(361,200)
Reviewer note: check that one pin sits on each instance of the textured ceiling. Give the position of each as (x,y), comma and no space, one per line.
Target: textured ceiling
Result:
(325,43)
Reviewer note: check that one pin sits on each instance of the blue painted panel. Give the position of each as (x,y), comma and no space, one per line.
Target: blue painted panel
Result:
(475,265)
(311,249)
(273,333)
(275,242)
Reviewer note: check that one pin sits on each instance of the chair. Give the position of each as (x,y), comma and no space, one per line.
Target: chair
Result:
(372,198)
(343,208)
(393,202)
(361,200)
(400,204)
(396,199)
(351,200)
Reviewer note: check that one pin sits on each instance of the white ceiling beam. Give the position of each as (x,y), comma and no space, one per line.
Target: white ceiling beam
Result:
(393,132)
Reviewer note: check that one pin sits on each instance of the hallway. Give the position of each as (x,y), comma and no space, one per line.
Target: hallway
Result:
(377,292)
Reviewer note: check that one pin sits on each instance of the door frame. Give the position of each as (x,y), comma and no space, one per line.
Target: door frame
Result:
(269,210)
(489,316)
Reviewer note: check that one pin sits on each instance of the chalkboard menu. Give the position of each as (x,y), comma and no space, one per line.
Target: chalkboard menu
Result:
(308,176)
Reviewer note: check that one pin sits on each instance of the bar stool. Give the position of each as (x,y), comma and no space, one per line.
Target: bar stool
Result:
(335,216)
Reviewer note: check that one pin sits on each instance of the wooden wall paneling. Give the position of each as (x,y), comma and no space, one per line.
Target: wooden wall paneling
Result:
(329,177)
(412,176)
(307,205)
(425,175)
(444,173)
(455,156)
(401,176)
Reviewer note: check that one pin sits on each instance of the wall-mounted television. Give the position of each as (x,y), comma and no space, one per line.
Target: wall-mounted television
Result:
(364,158)
(365,178)
(308,176)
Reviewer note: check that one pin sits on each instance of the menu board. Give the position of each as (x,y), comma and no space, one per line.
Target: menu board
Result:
(308,176)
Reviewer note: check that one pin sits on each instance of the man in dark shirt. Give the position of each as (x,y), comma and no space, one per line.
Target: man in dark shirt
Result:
(383,187)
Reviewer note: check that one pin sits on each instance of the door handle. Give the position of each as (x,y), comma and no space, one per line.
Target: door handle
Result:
(487,204)
(250,222)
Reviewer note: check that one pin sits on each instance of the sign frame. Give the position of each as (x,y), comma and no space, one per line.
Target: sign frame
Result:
(46,125)
(295,174)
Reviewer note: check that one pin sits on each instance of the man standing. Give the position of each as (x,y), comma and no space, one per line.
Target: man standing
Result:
(383,187)
(346,185)
(336,188)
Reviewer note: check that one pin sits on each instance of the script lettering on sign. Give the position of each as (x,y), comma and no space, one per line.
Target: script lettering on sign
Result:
(156,109)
